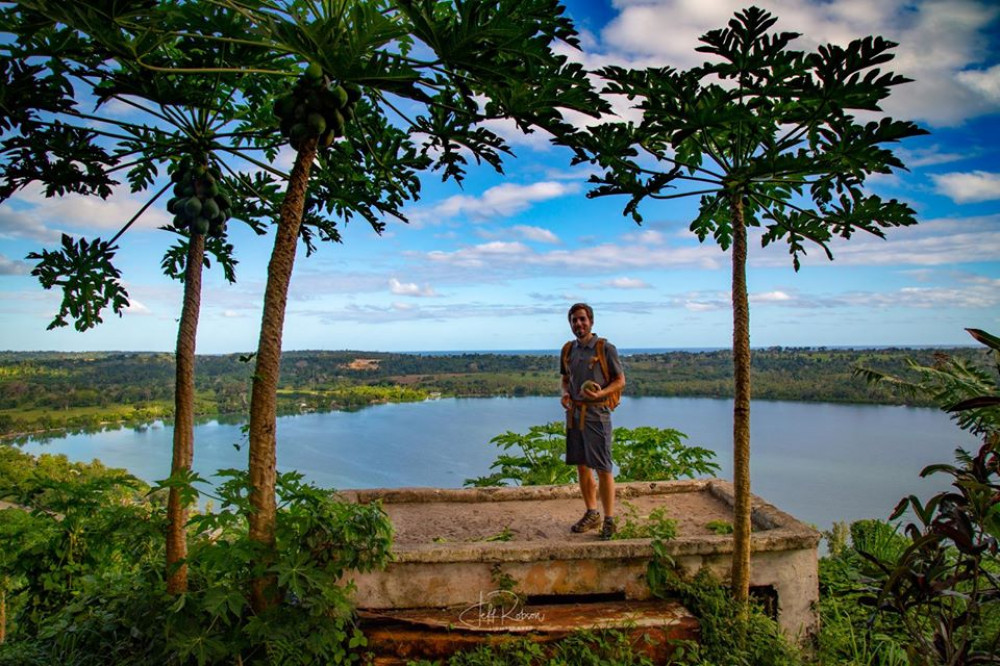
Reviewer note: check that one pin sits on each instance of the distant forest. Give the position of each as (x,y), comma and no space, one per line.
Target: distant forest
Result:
(51,390)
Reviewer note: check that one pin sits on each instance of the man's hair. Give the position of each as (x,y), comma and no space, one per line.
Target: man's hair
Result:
(581,306)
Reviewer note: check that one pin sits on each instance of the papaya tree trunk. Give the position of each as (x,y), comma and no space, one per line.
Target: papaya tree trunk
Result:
(3,610)
(183,455)
(263,399)
(741,408)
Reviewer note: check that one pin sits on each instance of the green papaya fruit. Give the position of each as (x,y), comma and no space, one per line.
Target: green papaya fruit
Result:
(316,123)
(337,122)
(180,222)
(201,225)
(299,132)
(210,209)
(223,201)
(327,139)
(314,71)
(353,92)
(326,98)
(284,105)
(342,97)
(192,207)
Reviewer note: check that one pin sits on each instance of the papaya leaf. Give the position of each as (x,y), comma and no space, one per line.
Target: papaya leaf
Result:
(88,279)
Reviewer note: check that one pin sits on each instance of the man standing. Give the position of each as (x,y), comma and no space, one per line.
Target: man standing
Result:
(592,381)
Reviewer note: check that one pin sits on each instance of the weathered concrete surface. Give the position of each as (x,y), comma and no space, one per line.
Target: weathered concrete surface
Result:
(543,559)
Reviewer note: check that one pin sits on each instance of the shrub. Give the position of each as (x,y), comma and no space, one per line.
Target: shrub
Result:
(112,608)
(642,454)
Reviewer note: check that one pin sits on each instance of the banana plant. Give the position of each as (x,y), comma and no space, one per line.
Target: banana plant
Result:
(765,136)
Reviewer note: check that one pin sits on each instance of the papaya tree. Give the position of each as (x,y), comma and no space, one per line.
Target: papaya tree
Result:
(405,82)
(384,90)
(56,52)
(768,137)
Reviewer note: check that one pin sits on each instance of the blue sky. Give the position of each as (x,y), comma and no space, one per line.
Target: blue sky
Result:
(495,264)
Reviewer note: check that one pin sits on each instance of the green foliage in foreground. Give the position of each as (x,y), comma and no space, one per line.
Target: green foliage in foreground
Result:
(82,577)
(643,454)
(583,648)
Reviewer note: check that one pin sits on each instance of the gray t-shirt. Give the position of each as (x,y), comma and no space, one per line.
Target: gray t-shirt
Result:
(584,365)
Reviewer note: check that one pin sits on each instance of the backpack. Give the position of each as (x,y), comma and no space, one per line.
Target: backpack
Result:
(613,398)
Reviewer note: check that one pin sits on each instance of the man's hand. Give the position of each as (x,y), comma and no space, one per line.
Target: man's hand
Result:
(592,391)
(567,402)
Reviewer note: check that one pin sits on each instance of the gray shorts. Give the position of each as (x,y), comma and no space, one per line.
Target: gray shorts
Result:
(590,446)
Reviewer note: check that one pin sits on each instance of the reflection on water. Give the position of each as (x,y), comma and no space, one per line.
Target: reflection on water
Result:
(820,462)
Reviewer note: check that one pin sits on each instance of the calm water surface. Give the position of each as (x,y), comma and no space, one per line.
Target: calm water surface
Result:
(820,462)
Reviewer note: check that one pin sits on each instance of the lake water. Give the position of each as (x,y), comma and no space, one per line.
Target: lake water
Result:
(820,462)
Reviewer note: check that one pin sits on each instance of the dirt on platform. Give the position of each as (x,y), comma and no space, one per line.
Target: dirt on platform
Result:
(541,520)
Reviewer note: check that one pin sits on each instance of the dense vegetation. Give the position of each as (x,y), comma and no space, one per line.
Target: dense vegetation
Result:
(46,390)
(82,580)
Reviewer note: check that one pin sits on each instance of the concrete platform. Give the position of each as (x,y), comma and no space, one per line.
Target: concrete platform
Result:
(455,547)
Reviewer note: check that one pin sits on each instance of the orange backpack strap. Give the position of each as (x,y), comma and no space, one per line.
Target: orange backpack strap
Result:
(565,357)
(615,397)
(603,360)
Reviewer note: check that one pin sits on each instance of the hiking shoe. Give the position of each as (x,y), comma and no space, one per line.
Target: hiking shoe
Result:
(590,521)
(608,529)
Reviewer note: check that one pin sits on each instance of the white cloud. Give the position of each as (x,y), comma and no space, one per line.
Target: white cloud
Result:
(509,257)
(285,159)
(13,266)
(968,187)
(979,297)
(936,242)
(933,242)
(921,157)
(986,82)
(410,289)
(507,129)
(771,297)
(627,283)
(137,308)
(503,200)
(88,214)
(647,236)
(536,234)
(25,225)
